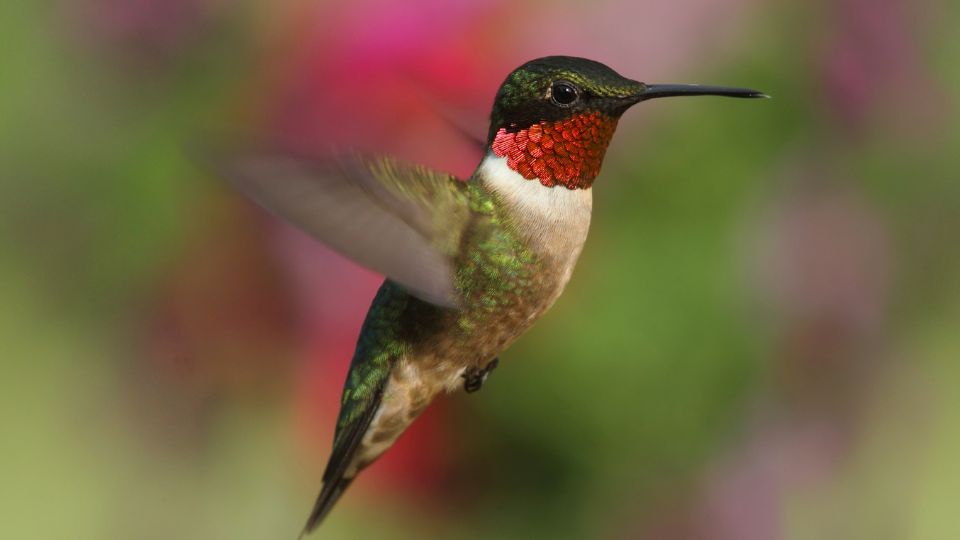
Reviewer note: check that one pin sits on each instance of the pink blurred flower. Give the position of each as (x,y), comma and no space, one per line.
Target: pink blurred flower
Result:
(143,30)
(215,327)
(872,67)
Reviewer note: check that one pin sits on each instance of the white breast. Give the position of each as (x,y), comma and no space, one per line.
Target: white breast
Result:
(555,219)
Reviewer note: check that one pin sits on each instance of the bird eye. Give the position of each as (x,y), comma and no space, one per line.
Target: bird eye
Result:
(563,93)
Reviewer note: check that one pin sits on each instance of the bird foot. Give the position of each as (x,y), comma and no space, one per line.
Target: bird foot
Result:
(474,378)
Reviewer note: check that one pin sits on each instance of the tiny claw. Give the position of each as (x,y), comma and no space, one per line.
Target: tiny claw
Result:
(472,382)
(474,378)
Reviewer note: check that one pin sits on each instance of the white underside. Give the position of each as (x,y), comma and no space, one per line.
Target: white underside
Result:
(556,203)
(555,219)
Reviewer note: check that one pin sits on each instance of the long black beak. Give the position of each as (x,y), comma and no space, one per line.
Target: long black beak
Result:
(652,91)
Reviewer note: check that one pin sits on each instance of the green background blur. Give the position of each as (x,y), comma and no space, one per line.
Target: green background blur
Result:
(761,340)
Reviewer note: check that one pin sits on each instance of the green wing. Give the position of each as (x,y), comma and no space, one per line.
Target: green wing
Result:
(400,220)
(403,221)
(378,349)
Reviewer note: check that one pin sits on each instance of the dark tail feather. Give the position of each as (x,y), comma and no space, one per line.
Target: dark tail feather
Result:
(335,481)
(329,495)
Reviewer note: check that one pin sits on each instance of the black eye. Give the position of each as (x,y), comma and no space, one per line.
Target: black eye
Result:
(563,93)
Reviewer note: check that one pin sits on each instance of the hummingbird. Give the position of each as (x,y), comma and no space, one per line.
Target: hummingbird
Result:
(470,264)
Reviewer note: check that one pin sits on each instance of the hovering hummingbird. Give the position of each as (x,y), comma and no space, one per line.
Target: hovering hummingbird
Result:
(469,265)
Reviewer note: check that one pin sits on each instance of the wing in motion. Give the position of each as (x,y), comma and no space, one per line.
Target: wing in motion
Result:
(402,221)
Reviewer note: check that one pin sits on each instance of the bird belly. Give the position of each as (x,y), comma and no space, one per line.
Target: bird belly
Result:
(411,387)
(437,361)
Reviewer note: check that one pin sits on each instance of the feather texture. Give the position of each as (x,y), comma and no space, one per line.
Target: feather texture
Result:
(401,221)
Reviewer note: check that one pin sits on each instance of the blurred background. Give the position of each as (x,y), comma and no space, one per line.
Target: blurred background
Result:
(760,342)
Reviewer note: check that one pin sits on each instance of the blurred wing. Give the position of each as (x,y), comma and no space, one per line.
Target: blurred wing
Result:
(402,221)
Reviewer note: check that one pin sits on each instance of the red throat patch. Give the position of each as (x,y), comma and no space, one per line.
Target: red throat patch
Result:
(566,152)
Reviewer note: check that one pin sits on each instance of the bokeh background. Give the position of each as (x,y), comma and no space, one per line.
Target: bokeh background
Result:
(761,340)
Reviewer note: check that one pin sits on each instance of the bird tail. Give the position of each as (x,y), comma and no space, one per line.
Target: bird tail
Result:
(328,497)
(336,478)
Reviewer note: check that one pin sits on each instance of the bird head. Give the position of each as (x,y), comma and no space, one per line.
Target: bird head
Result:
(553,117)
